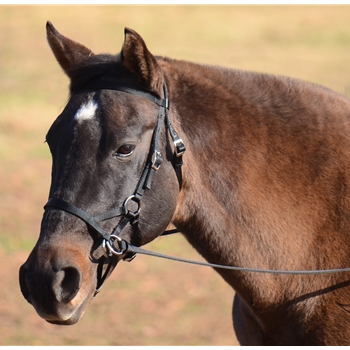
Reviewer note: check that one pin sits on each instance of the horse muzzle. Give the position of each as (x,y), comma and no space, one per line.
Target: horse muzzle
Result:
(58,287)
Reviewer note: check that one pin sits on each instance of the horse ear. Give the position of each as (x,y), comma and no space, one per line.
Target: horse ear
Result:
(137,59)
(68,53)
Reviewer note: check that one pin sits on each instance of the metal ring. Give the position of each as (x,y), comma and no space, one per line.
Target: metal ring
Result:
(137,201)
(115,237)
(110,247)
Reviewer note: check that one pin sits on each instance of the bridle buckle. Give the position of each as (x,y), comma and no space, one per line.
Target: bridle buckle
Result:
(156,160)
(179,147)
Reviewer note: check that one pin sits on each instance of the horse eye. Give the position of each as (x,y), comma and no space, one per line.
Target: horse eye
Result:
(125,150)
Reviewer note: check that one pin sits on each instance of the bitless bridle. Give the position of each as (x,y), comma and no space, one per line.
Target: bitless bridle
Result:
(112,243)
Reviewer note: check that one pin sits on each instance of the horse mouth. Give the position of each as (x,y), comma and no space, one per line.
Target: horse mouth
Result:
(65,314)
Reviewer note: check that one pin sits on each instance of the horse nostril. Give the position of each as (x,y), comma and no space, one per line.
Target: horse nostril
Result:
(66,284)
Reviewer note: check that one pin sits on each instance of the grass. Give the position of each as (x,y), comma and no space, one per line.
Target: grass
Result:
(147,302)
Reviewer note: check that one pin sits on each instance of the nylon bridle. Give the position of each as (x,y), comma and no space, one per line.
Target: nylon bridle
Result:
(112,243)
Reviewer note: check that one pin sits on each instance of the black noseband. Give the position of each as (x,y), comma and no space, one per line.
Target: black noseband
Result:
(113,243)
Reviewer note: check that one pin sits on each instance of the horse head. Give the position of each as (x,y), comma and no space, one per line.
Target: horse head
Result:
(106,147)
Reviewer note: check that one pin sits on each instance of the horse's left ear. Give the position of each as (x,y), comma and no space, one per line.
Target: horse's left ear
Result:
(137,59)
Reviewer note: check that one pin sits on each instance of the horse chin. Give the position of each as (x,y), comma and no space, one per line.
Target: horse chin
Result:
(70,321)
(66,320)
(67,314)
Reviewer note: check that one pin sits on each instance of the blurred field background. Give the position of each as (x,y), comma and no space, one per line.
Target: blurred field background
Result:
(148,301)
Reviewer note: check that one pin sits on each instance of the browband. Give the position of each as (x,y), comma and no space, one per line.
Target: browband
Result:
(118,86)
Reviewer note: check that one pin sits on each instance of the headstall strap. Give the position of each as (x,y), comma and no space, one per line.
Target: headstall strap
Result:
(112,243)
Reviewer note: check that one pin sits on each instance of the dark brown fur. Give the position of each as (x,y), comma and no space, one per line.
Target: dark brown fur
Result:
(265,184)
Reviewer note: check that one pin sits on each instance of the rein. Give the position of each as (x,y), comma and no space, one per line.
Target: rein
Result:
(138,250)
(112,243)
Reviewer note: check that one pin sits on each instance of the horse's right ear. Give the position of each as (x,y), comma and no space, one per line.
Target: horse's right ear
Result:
(68,53)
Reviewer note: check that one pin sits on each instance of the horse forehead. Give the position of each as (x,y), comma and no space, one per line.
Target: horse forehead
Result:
(116,109)
(112,107)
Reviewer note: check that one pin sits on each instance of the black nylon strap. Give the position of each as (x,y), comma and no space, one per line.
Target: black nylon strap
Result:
(151,166)
(155,150)
(140,188)
(55,203)
(123,222)
(113,85)
(170,232)
(101,277)
(110,214)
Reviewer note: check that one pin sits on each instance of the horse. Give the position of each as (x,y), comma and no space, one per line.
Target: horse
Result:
(253,169)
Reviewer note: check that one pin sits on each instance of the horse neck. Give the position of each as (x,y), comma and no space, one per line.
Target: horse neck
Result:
(226,210)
